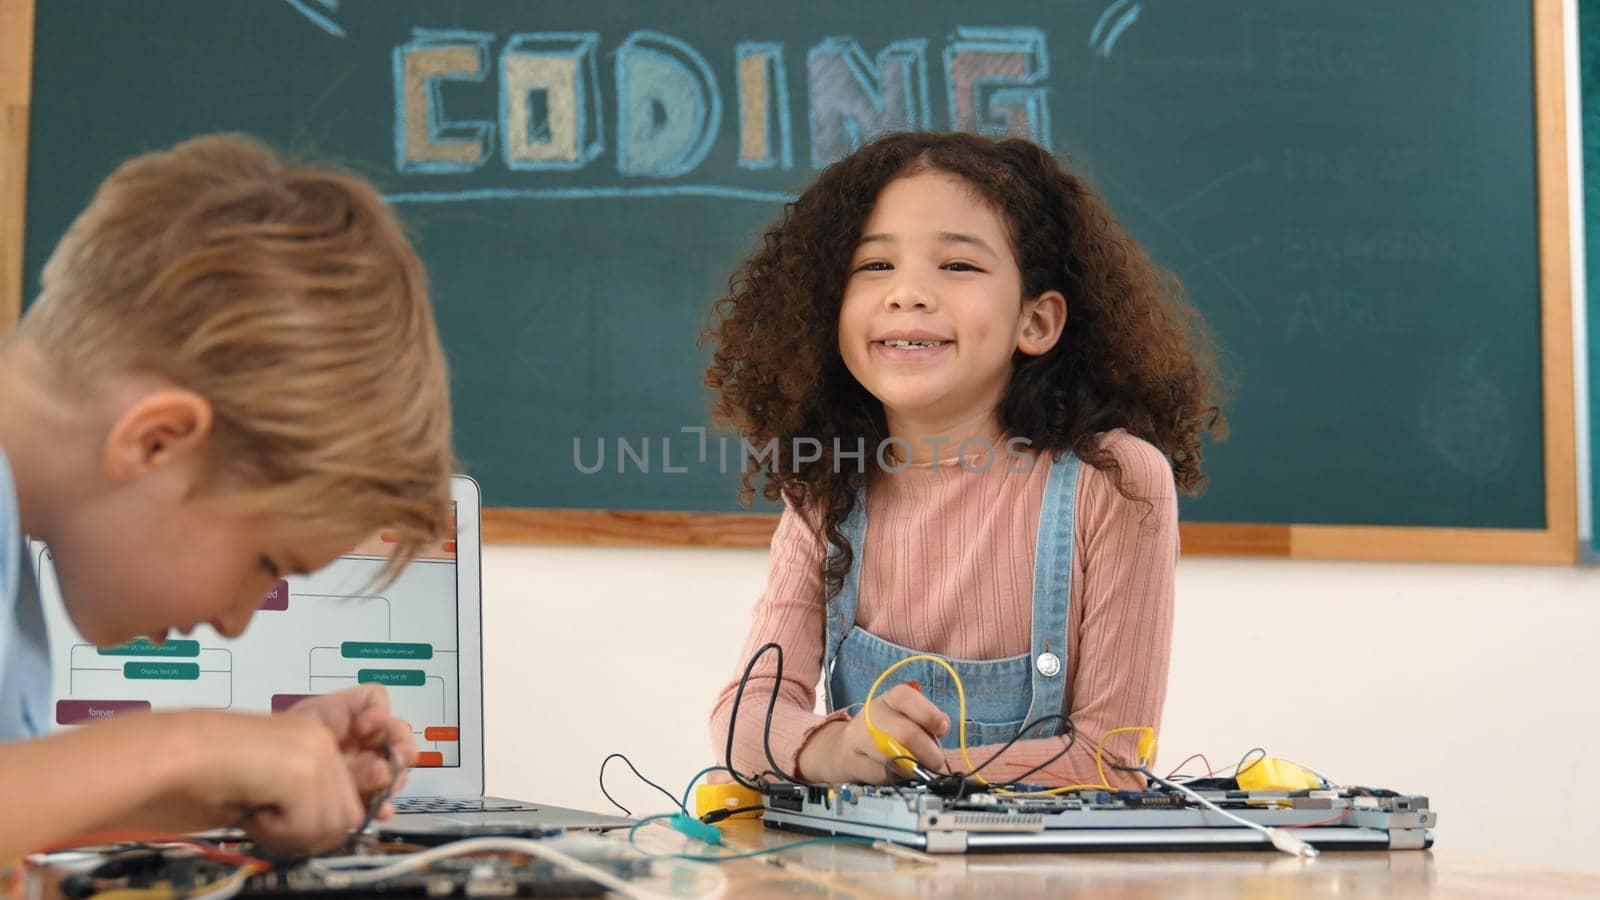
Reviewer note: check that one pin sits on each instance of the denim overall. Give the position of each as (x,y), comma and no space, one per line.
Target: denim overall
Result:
(1002,694)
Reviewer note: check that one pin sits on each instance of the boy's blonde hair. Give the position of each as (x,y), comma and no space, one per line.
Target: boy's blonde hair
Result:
(289,298)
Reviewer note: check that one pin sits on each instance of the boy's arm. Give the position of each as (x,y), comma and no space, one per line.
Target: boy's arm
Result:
(94,778)
(287,777)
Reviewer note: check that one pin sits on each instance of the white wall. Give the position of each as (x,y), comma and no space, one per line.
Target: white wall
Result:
(1470,684)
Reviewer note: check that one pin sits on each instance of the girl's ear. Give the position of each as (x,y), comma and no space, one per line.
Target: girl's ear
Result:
(1041,323)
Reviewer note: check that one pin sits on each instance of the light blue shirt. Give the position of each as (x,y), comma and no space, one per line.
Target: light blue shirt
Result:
(24,650)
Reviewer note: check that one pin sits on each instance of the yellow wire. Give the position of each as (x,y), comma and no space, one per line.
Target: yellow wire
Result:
(961,698)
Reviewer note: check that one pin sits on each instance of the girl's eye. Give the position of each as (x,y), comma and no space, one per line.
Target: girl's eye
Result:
(962,267)
(875,266)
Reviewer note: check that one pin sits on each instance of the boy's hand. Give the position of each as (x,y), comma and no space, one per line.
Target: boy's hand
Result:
(368,734)
(284,778)
(297,781)
(845,752)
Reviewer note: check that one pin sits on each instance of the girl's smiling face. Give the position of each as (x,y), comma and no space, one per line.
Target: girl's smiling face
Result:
(934,308)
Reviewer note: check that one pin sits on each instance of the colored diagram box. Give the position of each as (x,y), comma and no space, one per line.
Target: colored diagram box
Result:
(144,647)
(406,677)
(277,598)
(281,702)
(428,759)
(161,671)
(71,712)
(441,733)
(384,650)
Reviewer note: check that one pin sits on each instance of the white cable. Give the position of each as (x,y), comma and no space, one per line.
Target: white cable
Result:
(338,873)
(1282,840)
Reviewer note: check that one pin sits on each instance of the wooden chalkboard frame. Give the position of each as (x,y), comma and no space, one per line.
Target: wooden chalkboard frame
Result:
(1557,542)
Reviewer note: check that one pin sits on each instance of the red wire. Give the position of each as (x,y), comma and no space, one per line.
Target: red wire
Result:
(1023,765)
(1200,756)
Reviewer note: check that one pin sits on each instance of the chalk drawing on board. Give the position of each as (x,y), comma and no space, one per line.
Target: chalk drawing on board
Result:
(1464,418)
(584,193)
(1183,237)
(853,101)
(995,83)
(1110,26)
(1217,182)
(550,116)
(668,106)
(322,17)
(424,140)
(764,139)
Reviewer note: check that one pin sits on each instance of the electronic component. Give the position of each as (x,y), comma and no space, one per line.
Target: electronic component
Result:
(1268,774)
(723,797)
(180,871)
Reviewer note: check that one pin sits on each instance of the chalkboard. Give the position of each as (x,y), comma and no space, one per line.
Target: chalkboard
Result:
(1589,77)
(1350,193)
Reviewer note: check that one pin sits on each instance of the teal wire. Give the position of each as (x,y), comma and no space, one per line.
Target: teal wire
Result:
(696,779)
(632,833)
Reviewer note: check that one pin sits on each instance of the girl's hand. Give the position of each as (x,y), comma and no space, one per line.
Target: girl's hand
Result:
(846,752)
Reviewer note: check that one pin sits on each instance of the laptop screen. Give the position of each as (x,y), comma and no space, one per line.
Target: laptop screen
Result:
(313,634)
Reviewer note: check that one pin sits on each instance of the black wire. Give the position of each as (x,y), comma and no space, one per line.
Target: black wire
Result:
(733,718)
(717,815)
(896,774)
(766,731)
(1072,738)
(766,734)
(1240,766)
(629,763)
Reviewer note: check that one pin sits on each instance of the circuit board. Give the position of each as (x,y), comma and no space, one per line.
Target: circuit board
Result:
(914,816)
(183,872)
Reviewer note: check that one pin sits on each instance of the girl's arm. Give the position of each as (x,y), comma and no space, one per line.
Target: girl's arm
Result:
(789,614)
(1127,557)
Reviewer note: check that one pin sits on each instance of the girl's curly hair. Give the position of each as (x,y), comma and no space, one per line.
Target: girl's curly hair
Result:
(1134,354)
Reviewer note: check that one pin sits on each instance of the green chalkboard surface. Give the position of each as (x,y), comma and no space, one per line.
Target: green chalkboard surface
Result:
(1589,77)
(1348,191)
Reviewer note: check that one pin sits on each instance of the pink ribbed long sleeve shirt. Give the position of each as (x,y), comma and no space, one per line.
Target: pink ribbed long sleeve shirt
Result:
(948,569)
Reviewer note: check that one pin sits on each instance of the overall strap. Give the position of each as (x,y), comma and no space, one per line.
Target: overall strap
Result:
(839,616)
(1052,589)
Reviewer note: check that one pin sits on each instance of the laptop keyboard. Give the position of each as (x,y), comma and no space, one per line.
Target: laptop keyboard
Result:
(457,804)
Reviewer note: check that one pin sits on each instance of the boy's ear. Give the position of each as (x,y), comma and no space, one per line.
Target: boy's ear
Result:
(1043,319)
(157,428)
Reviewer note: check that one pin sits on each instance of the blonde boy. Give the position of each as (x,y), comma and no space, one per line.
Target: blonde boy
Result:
(231,375)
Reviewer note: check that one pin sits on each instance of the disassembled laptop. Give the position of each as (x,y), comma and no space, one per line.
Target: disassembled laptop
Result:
(915,816)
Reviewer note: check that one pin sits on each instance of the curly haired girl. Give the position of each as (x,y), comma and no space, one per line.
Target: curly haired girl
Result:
(950,338)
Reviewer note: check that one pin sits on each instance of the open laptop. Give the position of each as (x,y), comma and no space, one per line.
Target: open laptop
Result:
(421,637)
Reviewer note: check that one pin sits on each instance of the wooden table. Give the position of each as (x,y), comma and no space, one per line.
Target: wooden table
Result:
(854,872)
(844,871)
